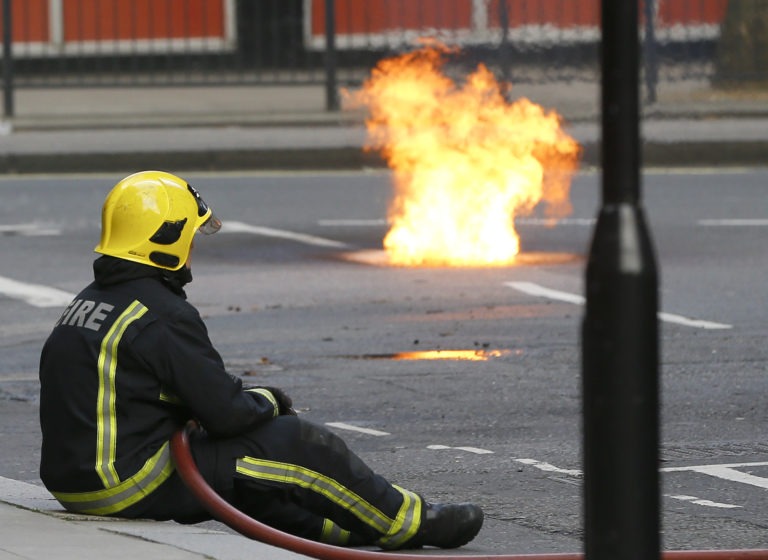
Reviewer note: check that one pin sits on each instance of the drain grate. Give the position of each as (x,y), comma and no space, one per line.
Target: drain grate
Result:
(472,355)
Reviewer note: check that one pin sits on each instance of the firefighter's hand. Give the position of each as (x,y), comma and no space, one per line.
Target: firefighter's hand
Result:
(284,402)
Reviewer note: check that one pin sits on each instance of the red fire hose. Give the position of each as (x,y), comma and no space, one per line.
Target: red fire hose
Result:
(240,522)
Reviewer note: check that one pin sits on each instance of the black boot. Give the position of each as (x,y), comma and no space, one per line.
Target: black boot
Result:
(447,525)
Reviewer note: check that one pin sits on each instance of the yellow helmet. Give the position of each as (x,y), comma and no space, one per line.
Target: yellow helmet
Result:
(150,217)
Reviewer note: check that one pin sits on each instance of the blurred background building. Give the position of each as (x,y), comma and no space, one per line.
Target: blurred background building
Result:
(159,43)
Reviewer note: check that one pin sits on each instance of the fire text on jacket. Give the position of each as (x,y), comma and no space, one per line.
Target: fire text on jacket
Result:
(85,313)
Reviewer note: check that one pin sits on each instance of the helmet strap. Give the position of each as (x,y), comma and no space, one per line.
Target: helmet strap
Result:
(177,279)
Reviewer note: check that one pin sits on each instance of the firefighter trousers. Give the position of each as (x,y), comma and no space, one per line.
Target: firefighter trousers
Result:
(298,477)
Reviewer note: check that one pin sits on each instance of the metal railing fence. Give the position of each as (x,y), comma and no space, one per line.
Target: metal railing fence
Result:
(108,43)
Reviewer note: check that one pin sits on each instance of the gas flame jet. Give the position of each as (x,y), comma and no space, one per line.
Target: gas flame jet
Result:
(465,161)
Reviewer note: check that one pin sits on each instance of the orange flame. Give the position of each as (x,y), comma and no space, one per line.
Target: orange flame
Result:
(465,161)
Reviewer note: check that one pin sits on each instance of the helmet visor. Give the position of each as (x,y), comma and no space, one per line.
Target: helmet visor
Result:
(211,225)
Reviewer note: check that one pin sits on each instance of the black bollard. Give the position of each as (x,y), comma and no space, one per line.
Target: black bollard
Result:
(8,108)
(331,88)
(620,348)
(504,45)
(651,52)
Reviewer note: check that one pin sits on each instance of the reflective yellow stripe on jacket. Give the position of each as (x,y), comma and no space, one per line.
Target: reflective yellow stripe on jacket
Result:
(267,394)
(106,420)
(113,500)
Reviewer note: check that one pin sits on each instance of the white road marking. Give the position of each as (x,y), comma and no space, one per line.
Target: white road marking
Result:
(241,227)
(731,222)
(350,427)
(475,450)
(556,221)
(28,230)
(376,222)
(697,323)
(20,377)
(707,222)
(724,471)
(735,170)
(540,291)
(541,465)
(701,502)
(727,472)
(586,222)
(34,294)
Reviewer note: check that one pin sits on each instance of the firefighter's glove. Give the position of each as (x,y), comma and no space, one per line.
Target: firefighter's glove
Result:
(284,402)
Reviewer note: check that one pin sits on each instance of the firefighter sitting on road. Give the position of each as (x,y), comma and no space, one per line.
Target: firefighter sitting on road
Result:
(129,362)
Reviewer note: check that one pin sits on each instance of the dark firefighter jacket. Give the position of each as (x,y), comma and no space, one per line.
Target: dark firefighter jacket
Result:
(127,363)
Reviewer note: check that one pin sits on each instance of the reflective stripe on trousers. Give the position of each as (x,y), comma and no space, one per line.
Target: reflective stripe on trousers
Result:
(333,534)
(395,531)
(406,523)
(155,471)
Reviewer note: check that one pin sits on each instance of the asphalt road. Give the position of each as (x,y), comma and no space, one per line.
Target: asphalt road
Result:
(286,306)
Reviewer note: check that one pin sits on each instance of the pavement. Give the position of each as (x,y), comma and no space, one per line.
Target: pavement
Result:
(270,127)
(34,526)
(262,128)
